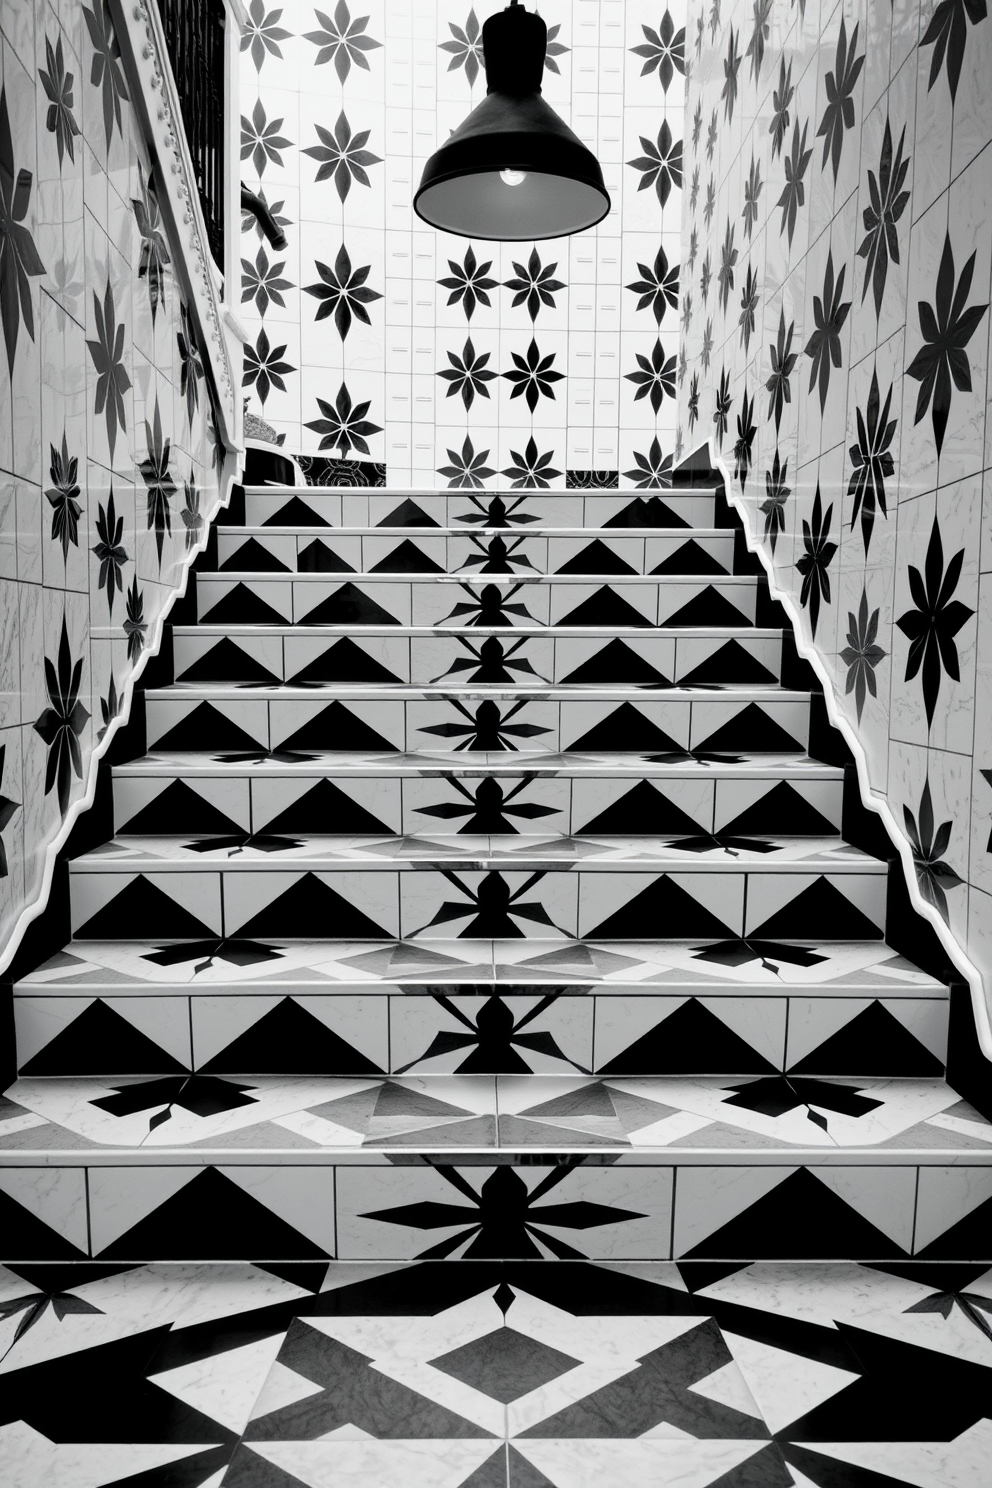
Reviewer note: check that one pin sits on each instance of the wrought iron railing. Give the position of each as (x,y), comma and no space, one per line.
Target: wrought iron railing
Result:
(194,35)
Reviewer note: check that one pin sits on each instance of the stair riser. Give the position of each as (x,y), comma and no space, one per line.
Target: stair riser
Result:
(403,805)
(623,1029)
(469,510)
(716,722)
(358,902)
(424,659)
(644,601)
(512,552)
(340,1209)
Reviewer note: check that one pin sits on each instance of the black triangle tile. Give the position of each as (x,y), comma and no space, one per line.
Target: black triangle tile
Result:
(310,908)
(616,662)
(212,1219)
(491,1474)
(596,558)
(709,607)
(873,1042)
(663,903)
(101,1042)
(607,608)
(253,557)
(243,605)
(782,809)
(766,1468)
(349,605)
(751,730)
(647,512)
(730,663)
(27,1238)
(142,911)
(644,808)
(626,728)
(522,1473)
(408,514)
(296,513)
(325,808)
(690,558)
(317,557)
(800,1219)
(336,727)
(249,1469)
(344,662)
(289,1040)
(179,808)
(205,728)
(406,558)
(691,1041)
(819,912)
(227,662)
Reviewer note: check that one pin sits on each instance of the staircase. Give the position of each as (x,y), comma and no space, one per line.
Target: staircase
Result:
(478,893)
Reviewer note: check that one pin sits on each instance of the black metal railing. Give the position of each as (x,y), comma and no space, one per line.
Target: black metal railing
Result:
(194,36)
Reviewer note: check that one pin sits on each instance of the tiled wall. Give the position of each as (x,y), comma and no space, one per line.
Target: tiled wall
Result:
(108,450)
(374,338)
(838,254)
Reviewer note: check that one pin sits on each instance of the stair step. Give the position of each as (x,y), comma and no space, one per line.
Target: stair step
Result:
(486,549)
(608,600)
(416,795)
(396,888)
(273,1007)
(358,1168)
(470,510)
(457,717)
(244,653)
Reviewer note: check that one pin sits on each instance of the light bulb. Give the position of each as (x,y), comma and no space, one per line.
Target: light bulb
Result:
(512,177)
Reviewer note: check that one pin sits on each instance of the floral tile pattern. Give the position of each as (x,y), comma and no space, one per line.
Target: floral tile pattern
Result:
(105,420)
(849,348)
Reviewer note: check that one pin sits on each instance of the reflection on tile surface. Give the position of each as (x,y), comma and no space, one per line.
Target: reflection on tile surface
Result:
(425,1371)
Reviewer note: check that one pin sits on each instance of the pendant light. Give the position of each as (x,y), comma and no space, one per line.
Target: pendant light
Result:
(513,170)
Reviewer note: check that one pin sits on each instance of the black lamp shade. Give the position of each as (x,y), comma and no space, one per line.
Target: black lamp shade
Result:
(513,129)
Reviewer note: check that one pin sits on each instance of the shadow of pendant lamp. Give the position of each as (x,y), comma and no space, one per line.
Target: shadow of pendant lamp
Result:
(513,170)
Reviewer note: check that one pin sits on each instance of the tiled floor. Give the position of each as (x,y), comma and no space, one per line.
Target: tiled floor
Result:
(552,1374)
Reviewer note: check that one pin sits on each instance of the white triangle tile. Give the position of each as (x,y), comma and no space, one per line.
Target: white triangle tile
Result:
(885,1196)
(785,1386)
(641,1463)
(282,1387)
(224,1386)
(165,1020)
(727,1386)
(346,1433)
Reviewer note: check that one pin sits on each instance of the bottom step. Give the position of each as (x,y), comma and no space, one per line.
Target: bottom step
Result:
(505,1374)
(481,1167)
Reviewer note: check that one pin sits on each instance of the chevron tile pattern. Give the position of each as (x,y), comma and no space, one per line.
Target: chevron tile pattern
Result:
(477,895)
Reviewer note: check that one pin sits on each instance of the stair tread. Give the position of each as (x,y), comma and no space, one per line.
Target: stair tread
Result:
(515,632)
(639,1119)
(854,969)
(583,692)
(425,764)
(481,530)
(190,852)
(745,581)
